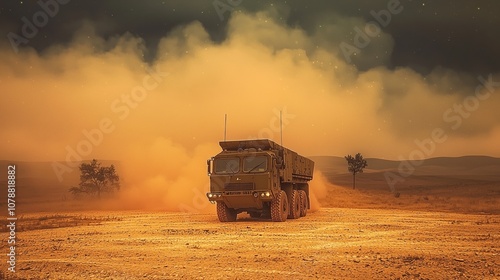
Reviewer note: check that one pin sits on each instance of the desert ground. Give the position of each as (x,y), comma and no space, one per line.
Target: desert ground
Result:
(332,243)
(443,224)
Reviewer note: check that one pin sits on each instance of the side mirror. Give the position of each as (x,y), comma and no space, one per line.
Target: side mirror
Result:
(209,166)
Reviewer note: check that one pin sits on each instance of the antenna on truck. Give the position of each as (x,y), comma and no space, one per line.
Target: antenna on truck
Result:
(281,129)
(225,126)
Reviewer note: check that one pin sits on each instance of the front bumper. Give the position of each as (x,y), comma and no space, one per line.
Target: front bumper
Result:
(241,199)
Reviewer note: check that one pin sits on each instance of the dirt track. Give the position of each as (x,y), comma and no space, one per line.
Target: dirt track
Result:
(331,243)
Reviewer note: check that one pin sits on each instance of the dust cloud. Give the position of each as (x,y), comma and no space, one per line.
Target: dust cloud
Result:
(318,189)
(166,176)
(99,98)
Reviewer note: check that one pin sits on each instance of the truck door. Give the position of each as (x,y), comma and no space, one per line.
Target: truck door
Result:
(275,176)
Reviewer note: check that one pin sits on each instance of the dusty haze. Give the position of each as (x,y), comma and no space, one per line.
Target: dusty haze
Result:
(263,66)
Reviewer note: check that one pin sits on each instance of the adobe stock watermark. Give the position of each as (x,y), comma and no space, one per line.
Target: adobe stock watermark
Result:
(40,19)
(121,107)
(454,117)
(200,201)
(224,6)
(371,29)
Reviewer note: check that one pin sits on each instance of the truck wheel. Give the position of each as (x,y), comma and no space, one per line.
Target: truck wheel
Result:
(279,207)
(303,203)
(224,213)
(294,205)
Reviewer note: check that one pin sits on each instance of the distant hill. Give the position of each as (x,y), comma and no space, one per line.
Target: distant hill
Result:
(465,165)
(461,184)
(36,181)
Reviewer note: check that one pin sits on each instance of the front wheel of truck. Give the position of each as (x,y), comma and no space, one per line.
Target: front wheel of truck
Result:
(225,213)
(279,207)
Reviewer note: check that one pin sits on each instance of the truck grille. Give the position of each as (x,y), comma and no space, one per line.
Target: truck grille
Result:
(238,186)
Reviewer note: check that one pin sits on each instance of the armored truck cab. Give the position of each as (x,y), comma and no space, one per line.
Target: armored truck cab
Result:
(261,178)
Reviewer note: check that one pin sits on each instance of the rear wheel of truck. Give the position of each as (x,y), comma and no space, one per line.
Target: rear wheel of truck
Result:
(294,205)
(304,204)
(225,213)
(279,207)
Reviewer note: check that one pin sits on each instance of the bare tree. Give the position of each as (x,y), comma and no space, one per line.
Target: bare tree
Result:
(355,165)
(96,179)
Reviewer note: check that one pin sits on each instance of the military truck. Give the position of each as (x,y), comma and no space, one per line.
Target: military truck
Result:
(261,178)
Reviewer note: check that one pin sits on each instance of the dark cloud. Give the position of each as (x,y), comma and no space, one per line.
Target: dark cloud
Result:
(453,34)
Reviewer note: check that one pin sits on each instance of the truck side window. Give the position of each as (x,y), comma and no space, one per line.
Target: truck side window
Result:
(226,165)
(255,164)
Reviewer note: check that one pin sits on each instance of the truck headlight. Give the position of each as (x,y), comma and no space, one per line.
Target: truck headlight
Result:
(268,194)
(210,195)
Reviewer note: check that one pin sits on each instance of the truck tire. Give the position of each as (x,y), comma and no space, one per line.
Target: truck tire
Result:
(279,207)
(225,213)
(304,204)
(294,205)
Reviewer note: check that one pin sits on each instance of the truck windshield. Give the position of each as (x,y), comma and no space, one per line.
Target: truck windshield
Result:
(255,164)
(226,165)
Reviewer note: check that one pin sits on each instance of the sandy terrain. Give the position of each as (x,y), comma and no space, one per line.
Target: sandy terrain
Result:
(330,243)
(445,224)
